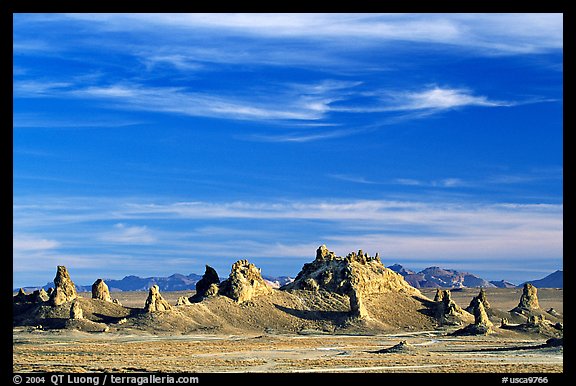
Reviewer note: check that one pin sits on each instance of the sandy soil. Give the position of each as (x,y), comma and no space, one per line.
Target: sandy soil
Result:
(130,348)
(125,352)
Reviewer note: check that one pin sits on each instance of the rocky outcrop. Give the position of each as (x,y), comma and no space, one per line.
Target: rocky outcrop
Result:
(76,311)
(100,291)
(183,301)
(77,320)
(481,297)
(155,301)
(210,277)
(244,283)
(536,320)
(212,290)
(439,295)
(357,275)
(36,297)
(482,325)
(447,311)
(528,300)
(41,296)
(65,290)
(401,348)
(21,296)
(207,286)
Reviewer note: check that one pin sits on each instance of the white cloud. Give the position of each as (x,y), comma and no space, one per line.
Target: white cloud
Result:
(282,106)
(432,99)
(441,98)
(438,183)
(504,233)
(123,233)
(510,33)
(352,178)
(300,137)
(22,243)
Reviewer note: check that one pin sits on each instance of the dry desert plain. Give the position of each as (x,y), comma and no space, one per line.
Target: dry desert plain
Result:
(308,345)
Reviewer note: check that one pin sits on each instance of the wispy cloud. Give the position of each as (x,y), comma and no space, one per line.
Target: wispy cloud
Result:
(36,120)
(299,137)
(417,230)
(439,183)
(123,233)
(441,98)
(352,178)
(23,243)
(340,47)
(506,33)
(433,99)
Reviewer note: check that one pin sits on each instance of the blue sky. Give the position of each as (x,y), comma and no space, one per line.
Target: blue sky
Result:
(151,144)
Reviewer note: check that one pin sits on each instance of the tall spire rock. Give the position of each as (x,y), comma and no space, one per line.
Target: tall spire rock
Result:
(65,290)
(482,324)
(528,300)
(448,312)
(481,297)
(155,301)
(203,286)
(100,291)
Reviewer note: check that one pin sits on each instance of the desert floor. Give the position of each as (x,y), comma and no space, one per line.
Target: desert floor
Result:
(130,350)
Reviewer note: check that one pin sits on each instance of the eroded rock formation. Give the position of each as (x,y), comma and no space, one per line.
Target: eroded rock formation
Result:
(448,312)
(528,300)
(244,283)
(155,301)
(481,297)
(38,296)
(21,296)
(65,290)
(357,275)
(183,301)
(100,291)
(76,311)
(207,286)
(482,325)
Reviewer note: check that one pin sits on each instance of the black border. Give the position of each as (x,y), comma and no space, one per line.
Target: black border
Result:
(8,7)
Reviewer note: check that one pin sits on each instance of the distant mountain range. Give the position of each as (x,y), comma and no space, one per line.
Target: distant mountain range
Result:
(434,277)
(554,280)
(431,277)
(176,282)
(503,284)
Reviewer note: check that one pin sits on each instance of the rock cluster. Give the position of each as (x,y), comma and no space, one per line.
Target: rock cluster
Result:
(536,320)
(183,301)
(155,301)
(207,286)
(482,299)
(100,291)
(244,283)
(528,300)
(482,325)
(77,321)
(38,296)
(65,290)
(357,275)
(447,311)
